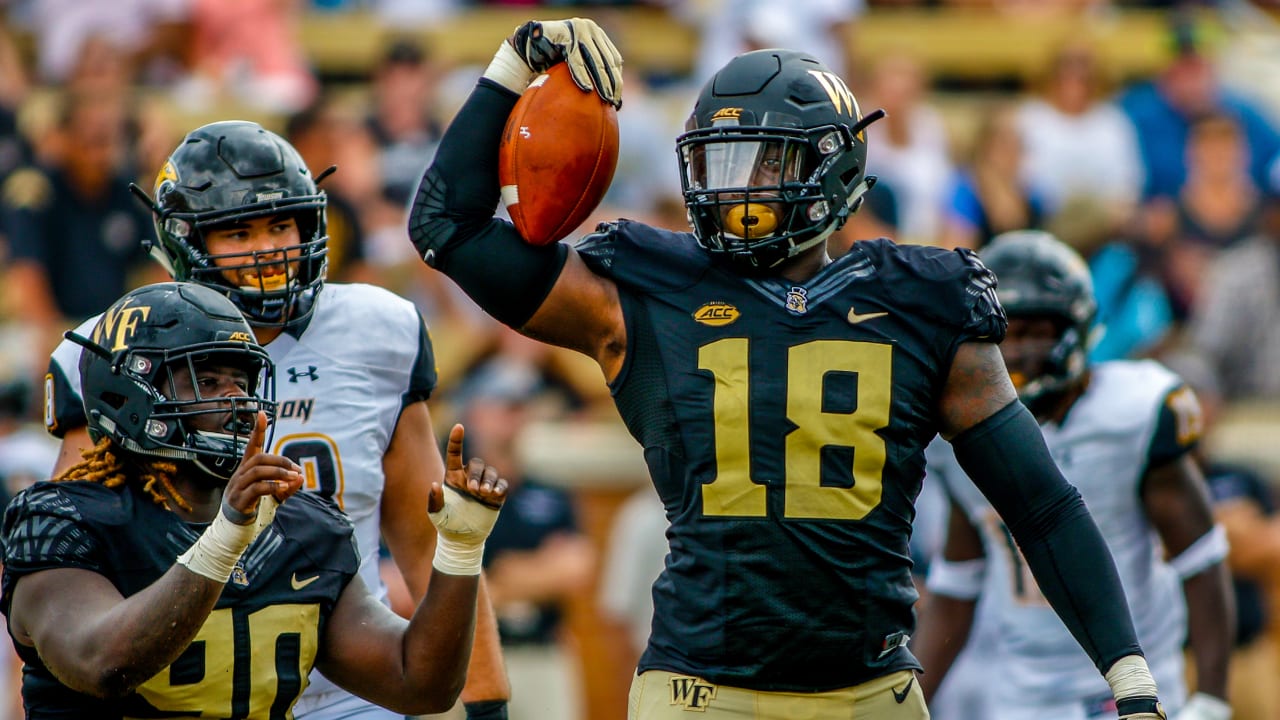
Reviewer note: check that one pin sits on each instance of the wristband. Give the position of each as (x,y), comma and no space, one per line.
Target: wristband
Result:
(509,70)
(1129,677)
(486,710)
(216,552)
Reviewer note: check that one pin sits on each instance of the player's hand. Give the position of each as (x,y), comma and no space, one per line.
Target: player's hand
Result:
(260,482)
(593,60)
(1203,706)
(464,510)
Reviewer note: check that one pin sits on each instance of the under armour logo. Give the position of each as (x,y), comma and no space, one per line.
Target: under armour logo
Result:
(310,374)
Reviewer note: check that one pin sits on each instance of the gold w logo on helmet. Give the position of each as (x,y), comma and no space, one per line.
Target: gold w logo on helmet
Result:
(840,94)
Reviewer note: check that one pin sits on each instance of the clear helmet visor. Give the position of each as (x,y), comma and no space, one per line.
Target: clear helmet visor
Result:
(747,177)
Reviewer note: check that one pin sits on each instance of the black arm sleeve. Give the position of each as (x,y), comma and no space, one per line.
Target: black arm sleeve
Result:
(1007,459)
(451,221)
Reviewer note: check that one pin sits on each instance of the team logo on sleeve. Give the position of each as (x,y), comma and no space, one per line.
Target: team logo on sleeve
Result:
(798,300)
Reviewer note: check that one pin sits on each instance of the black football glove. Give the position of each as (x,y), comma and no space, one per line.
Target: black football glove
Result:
(593,60)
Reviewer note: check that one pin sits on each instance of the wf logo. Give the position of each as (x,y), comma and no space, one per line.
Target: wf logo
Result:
(692,693)
(310,374)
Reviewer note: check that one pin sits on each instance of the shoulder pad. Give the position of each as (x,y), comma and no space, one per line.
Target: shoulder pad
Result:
(53,525)
(642,257)
(27,189)
(952,287)
(324,533)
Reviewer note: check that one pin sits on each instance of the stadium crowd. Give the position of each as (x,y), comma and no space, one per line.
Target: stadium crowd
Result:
(1165,179)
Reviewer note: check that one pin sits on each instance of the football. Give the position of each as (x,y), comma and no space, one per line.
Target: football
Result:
(558,154)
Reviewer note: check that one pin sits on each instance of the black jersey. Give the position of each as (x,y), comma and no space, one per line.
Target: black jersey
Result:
(784,427)
(252,656)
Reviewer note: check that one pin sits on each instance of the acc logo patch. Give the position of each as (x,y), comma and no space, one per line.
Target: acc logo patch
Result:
(716,314)
(728,113)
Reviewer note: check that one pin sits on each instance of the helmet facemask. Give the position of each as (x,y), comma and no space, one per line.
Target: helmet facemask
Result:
(181,423)
(759,195)
(285,289)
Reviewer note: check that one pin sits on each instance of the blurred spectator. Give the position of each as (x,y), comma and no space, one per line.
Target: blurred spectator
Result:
(989,196)
(634,557)
(821,28)
(1075,144)
(648,177)
(74,227)
(248,52)
(537,558)
(1244,505)
(147,33)
(1217,206)
(325,139)
(908,149)
(1232,337)
(1134,312)
(402,117)
(1164,109)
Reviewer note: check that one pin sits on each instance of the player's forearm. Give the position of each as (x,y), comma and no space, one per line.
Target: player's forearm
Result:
(437,645)
(1211,627)
(141,635)
(1007,459)
(487,672)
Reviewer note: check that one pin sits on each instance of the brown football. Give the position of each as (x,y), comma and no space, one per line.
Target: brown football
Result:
(557,156)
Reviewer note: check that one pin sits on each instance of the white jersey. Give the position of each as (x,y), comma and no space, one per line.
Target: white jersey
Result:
(341,383)
(1104,448)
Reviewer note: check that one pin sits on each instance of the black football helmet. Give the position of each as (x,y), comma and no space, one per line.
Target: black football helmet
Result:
(1038,275)
(773,158)
(127,375)
(232,171)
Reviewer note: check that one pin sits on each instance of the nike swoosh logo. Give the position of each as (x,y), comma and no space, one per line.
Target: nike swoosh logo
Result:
(855,318)
(299,584)
(901,697)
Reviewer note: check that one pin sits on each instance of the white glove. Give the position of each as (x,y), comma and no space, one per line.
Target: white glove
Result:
(593,60)
(1203,706)
(462,526)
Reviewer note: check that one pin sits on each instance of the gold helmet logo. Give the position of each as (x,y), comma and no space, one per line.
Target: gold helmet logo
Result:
(118,325)
(168,172)
(841,96)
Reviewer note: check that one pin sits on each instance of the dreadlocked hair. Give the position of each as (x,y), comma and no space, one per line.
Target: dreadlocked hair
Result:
(102,464)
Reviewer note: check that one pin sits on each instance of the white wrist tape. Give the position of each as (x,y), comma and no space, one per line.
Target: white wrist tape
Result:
(216,551)
(961,579)
(462,526)
(1203,706)
(1208,550)
(1130,677)
(458,558)
(509,70)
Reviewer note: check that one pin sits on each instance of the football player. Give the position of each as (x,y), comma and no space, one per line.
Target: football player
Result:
(177,571)
(783,399)
(1122,431)
(238,211)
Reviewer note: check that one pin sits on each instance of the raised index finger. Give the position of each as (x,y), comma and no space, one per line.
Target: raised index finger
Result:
(453,453)
(258,437)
